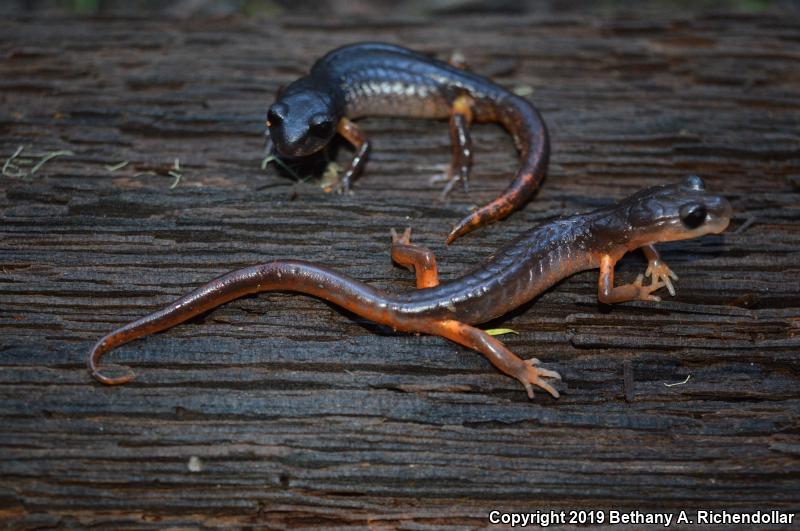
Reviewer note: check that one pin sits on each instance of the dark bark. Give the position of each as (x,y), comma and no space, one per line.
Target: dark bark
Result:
(302,415)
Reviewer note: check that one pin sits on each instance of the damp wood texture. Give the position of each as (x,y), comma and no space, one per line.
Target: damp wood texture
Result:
(280,410)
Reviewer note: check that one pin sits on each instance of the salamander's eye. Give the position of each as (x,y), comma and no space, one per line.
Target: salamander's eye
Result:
(320,126)
(693,182)
(693,215)
(276,114)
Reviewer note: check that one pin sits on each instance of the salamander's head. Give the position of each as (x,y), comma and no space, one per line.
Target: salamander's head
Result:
(301,122)
(675,212)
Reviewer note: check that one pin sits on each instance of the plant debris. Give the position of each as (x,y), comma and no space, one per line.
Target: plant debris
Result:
(330,177)
(500,331)
(279,162)
(116,167)
(51,155)
(749,222)
(523,90)
(195,464)
(678,383)
(12,169)
(175,172)
(15,170)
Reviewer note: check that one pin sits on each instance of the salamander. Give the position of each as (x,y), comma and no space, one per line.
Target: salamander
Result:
(379,79)
(527,266)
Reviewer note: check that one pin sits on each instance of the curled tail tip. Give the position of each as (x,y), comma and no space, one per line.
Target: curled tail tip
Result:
(111,380)
(94,371)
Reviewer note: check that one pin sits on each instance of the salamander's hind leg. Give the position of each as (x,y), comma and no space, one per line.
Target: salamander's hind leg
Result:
(353,134)
(460,120)
(416,258)
(523,370)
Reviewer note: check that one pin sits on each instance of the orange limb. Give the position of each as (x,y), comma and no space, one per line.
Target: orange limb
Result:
(607,293)
(416,258)
(353,134)
(460,119)
(523,370)
(532,140)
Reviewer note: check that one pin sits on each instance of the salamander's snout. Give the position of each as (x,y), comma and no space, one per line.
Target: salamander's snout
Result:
(300,125)
(679,211)
(699,210)
(718,211)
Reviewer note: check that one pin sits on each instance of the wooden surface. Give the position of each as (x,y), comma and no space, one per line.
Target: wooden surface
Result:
(283,411)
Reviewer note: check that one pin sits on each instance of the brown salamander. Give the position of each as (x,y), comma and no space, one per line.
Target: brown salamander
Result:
(385,80)
(526,267)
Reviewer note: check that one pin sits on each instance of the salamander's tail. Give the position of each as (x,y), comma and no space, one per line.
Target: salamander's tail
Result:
(525,124)
(283,275)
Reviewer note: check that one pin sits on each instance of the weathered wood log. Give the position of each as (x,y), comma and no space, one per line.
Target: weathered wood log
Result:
(280,410)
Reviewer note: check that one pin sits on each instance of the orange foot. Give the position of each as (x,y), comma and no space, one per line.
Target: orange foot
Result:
(530,375)
(659,271)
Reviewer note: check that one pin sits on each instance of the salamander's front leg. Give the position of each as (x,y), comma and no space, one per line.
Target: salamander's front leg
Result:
(608,294)
(523,370)
(416,258)
(353,134)
(460,120)
(657,269)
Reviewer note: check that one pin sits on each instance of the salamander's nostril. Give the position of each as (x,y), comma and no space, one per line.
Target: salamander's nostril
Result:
(276,114)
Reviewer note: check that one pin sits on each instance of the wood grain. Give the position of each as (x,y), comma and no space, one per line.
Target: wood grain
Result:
(282,411)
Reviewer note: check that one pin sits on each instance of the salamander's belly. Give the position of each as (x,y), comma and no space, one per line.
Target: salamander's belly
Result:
(396,97)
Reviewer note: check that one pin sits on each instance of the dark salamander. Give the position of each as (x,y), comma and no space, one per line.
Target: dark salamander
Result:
(524,268)
(374,79)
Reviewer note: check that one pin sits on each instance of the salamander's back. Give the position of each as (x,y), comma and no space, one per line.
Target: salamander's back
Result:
(381,79)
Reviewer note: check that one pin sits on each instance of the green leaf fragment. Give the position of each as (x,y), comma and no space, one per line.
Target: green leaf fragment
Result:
(12,170)
(500,331)
(279,162)
(51,155)
(177,179)
(116,167)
